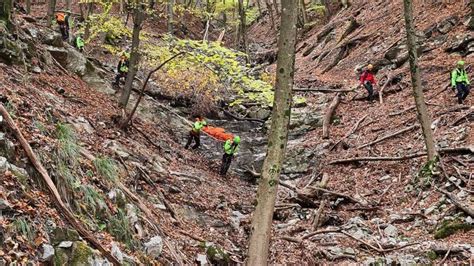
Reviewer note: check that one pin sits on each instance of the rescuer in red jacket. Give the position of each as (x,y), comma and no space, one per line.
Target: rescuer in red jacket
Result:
(367,79)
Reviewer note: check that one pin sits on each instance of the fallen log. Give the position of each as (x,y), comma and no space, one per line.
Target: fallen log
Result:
(465,116)
(62,208)
(459,150)
(354,129)
(388,136)
(323,90)
(460,205)
(329,114)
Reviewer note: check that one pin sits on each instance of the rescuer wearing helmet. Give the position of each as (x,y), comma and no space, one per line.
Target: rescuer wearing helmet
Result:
(460,81)
(367,79)
(230,148)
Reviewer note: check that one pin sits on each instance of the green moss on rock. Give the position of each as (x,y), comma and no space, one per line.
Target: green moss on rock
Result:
(448,228)
(81,253)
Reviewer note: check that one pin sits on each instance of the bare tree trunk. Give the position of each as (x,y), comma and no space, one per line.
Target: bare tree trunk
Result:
(170,16)
(272,18)
(275,5)
(68,4)
(423,115)
(50,14)
(259,5)
(471,22)
(278,138)
(303,12)
(242,28)
(28,7)
(87,29)
(138,18)
(6,9)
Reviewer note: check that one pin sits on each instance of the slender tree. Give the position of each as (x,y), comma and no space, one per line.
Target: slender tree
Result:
(278,138)
(50,12)
(170,16)
(471,22)
(139,16)
(6,7)
(422,111)
(28,7)
(242,27)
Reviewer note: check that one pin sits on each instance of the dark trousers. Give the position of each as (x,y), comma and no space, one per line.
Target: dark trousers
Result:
(226,161)
(369,87)
(64,31)
(119,76)
(463,91)
(197,139)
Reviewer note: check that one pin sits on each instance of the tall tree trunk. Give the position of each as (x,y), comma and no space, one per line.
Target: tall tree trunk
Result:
(423,115)
(259,5)
(50,14)
(278,138)
(138,18)
(242,28)
(68,4)
(170,16)
(87,29)
(6,8)
(471,22)
(270,10)
(28,7)
(303,12)
(277,9)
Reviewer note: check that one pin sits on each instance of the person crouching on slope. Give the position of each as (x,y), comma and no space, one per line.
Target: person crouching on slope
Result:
(230,148)
(460,81)
(367,79)
(195,133)
(122,68)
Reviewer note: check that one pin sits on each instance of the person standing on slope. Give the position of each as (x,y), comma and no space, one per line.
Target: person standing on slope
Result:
(195,133)
(63,21)
(460,81)
(122,68)
(367,79)
(230,149)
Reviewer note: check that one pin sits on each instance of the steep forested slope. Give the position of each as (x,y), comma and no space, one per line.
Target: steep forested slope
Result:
(148,200)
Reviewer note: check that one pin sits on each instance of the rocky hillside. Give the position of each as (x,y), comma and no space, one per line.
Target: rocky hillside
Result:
(149,201)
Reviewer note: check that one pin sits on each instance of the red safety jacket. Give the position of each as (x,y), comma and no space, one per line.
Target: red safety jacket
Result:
(367,76)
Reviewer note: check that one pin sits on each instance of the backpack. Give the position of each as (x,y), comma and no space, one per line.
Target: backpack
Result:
(60,17)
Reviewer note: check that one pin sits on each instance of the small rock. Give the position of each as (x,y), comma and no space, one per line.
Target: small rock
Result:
(236,218)
(385,177)
(202,259)
(154,247)
(5,205)
(391,231)
(462,194)
(36,70)
(469,220)
(65,244)
(430,210)
(116,252)
(48,252)
(3,164)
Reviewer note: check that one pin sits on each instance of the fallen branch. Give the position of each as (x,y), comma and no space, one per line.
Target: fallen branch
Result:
(460,205)
(146,137)
(329,114)
(63,209)
(465,116)
(323,90)
(402,111)
(350,198)
(127,120)
(388,136)
(460,150)
(354,129)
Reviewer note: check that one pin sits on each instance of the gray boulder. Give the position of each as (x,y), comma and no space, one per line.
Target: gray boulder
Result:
(59,53)
(154,247)
(54,39)
(48,252)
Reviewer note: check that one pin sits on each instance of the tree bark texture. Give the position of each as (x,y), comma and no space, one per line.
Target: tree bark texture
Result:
(422,111)
(278,138)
